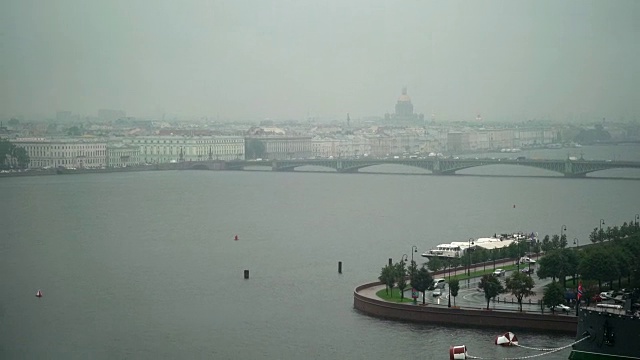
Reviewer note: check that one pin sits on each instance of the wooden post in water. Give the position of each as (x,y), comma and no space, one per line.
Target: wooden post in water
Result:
(339,267)
(390,262)
(246,274)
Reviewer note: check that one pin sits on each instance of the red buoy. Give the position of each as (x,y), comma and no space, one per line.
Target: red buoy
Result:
(508,339)
(39,293)
(236,238)
(457,352)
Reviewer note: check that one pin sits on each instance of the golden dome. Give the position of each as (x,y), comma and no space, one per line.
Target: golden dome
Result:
(404,98)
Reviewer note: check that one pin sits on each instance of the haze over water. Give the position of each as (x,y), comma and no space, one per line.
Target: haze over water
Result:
(144,265)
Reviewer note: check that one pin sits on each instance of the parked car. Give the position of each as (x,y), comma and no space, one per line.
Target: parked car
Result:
(527,271)
(561,307)
(606,295)
(499,272)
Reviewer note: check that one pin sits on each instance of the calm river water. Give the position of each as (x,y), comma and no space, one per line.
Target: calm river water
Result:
(144,265)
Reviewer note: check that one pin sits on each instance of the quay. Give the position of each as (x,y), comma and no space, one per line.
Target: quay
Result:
(366,301)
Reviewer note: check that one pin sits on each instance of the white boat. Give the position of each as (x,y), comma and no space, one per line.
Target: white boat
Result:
(459,249)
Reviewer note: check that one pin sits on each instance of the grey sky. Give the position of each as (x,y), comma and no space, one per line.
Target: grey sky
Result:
(286,59)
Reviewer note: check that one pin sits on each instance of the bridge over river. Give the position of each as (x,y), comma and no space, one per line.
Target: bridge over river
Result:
(438,166)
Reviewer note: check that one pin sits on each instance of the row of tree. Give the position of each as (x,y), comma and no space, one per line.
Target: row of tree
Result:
(607,261)
(12,156)
(420,279)
(615,257)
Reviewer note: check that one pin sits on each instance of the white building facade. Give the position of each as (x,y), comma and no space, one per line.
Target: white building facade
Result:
(165,149)
(69,153)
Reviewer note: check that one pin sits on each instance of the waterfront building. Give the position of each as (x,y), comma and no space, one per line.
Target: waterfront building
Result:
(122,155)
(458,142)
(284,147)
(165,149)
(67,152)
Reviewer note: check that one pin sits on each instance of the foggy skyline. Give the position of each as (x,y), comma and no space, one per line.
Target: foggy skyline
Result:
(292,59)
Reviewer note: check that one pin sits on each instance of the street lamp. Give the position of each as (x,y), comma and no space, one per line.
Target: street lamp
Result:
(576,242)
(414,249)
(562,230)
(404,257)
(600,232)
(469,256)
(637,219)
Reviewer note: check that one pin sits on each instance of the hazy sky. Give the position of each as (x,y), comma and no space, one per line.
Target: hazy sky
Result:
(286,59)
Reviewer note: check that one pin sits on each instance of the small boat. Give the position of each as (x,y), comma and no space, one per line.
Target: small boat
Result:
(39,293)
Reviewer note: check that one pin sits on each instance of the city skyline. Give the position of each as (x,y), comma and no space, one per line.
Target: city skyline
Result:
(294,60)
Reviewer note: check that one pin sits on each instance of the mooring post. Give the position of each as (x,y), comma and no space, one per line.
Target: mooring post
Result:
(246,274)
(390,262)
(339,267)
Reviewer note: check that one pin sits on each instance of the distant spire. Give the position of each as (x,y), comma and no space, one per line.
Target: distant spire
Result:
(404,90)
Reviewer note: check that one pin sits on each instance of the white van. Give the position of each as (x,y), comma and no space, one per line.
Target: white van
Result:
(439,283)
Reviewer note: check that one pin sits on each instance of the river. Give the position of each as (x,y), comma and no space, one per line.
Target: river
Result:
(144,265)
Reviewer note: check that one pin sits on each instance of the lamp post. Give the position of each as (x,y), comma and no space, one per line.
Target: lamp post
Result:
(637,219)
(414,249)
(600,232)
(469,256)
(576,242)
(518,258)
(404,257)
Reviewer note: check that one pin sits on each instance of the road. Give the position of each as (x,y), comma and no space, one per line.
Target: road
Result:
(470,296)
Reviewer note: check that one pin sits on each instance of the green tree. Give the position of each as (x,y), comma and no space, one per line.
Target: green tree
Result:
(74,131)
(387,276)
(520,286)
(422,281)
(454,287)
(546,244)
(435,264)
(563,241)
(553,295)
(455,262)
(401,278)
(491,287)
(254,149)
(593,236)
(555,242)
(599,264)
(22,158)
(413,269)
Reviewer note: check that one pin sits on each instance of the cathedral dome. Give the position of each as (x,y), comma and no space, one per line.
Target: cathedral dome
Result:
(404,98)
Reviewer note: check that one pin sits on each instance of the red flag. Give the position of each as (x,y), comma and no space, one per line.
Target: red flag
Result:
(579,290)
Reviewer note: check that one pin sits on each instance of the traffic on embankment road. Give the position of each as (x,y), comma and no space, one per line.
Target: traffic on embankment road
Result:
(470,309)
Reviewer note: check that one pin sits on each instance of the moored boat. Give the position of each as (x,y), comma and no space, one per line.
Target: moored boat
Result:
(460,248)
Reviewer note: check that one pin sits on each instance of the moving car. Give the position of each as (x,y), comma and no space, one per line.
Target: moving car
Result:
(437,292)
(499,272)
(561,307)
(526,260)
